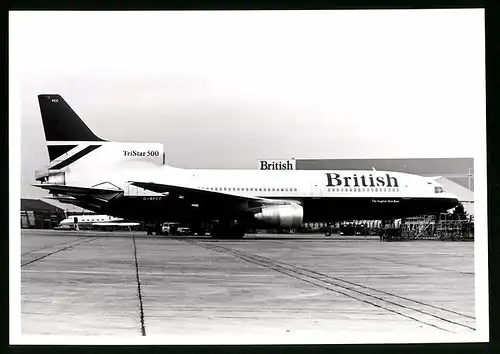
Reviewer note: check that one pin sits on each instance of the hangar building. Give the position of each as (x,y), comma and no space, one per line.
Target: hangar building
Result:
(38,214)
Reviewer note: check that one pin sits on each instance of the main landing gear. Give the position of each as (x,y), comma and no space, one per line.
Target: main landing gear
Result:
(227,231)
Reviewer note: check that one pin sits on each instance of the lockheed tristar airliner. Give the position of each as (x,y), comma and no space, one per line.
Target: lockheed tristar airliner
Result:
(131,181)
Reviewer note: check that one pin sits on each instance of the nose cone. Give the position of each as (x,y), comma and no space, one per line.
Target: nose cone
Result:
(452,200)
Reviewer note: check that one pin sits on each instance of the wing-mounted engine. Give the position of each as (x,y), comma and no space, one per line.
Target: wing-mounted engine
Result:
(281,216)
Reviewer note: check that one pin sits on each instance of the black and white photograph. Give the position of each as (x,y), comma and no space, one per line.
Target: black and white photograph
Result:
(248,177)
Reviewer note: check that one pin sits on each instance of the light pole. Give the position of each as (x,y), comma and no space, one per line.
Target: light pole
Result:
(469,176)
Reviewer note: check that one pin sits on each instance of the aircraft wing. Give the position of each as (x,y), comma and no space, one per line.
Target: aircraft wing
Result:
(124,224)
(196,195)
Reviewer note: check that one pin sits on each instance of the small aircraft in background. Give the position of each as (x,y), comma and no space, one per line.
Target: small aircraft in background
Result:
(75,221)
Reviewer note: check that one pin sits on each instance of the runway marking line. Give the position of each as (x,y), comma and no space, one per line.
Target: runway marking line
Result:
(73,244)
(368,295)
(55,244)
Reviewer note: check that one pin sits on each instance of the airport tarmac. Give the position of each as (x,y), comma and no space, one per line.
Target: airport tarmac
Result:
(113,283)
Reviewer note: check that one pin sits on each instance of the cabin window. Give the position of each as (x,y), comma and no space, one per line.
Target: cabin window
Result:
(246,189)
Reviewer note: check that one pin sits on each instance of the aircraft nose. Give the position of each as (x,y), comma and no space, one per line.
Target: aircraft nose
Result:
(453,200)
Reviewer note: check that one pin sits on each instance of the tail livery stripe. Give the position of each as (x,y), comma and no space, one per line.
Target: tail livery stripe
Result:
(75,157)
(59,150)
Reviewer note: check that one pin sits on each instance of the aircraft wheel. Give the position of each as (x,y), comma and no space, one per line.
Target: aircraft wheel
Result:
(328,233)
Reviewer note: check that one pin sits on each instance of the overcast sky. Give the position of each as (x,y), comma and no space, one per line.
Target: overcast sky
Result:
(225,89)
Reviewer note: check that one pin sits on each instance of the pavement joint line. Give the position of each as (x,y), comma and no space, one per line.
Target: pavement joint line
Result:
(55,244)
(273,265)
(139,293)
(59,250)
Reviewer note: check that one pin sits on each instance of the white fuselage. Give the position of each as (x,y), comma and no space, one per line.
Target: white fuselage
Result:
(119,163)
(89,220)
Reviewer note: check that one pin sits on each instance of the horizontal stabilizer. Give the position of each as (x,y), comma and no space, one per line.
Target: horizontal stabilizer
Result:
(79,192)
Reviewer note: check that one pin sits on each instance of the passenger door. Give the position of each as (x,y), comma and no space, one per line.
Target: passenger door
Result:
(315,190)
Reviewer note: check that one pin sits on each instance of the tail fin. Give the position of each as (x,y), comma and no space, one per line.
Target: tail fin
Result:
(73,147)
(62,124)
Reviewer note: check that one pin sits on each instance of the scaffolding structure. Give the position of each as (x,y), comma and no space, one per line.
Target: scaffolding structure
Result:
(454,229)
(430,227)
(418,228)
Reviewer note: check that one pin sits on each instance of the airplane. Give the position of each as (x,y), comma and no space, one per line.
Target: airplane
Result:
(95,220)
(131,180)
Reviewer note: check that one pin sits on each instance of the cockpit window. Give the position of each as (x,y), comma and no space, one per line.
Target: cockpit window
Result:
(438,190)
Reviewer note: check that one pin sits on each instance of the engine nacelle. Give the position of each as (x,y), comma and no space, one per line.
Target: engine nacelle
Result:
(286,216)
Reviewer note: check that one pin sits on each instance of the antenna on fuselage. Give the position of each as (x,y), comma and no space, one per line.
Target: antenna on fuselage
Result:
(373,168)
